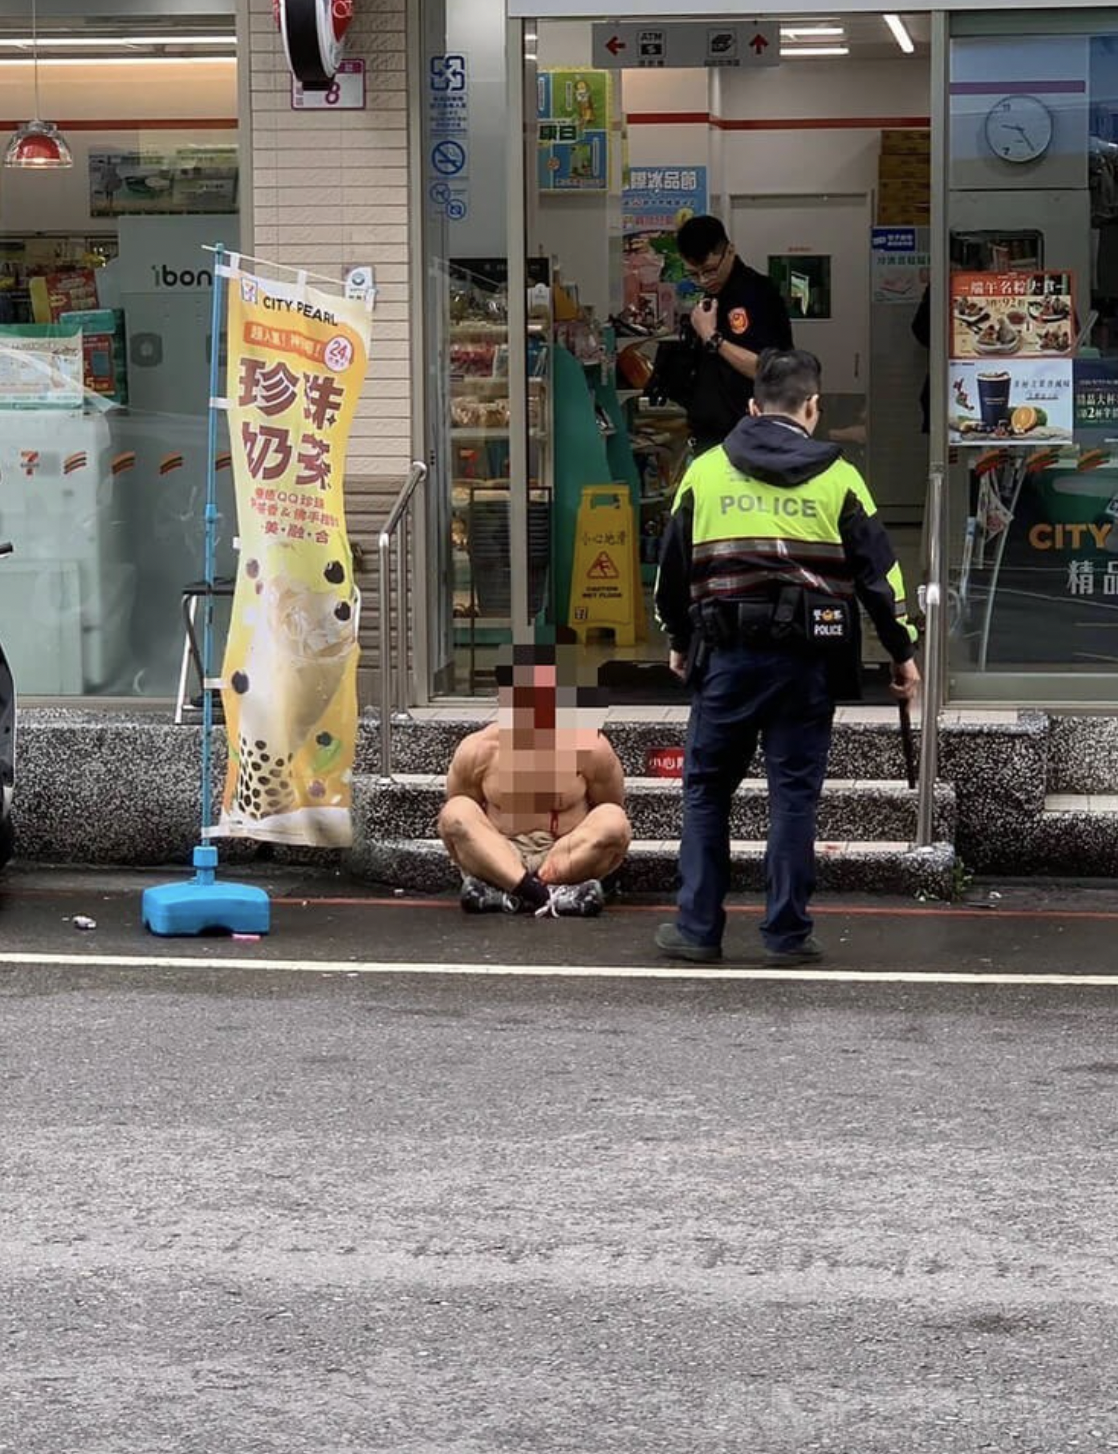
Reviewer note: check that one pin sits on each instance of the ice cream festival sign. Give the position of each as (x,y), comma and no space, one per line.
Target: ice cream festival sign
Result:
(297,362)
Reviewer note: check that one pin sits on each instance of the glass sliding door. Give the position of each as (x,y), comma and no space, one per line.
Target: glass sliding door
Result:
(1032,373)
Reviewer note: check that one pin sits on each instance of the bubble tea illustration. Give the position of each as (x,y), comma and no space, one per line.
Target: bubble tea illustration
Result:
(303,641)
(993,397)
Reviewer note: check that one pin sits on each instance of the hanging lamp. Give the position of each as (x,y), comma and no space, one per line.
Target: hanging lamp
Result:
(37,145)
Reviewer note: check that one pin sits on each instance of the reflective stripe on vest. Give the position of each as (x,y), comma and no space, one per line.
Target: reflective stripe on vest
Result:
(748,536)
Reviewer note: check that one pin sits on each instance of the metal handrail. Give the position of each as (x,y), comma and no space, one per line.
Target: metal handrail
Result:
(394,666)
(933,593)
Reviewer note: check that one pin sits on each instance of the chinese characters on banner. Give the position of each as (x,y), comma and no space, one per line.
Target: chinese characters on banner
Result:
(297,362)
(661,199)
(900,265)
(573,116)
(655,203)
(1012,343)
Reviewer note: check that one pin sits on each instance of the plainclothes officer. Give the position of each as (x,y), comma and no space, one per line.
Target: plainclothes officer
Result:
(773,539)
(741,315)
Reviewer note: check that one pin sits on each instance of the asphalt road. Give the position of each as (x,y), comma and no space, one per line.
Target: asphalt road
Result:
(348,1205)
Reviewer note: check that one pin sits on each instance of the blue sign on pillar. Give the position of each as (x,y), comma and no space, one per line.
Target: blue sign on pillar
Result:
(448,132)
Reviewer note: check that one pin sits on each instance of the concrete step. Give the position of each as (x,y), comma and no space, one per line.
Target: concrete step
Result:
(1076,835)
(849,809)
(1082,755)
(421,864)
(866,743)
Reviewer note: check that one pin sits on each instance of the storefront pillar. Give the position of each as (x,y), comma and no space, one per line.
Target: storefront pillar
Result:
(330,189)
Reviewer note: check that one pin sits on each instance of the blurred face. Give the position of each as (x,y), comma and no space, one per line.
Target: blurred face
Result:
(528,706)
(712,272)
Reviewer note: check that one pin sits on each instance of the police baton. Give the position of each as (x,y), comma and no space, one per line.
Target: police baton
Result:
(907,742)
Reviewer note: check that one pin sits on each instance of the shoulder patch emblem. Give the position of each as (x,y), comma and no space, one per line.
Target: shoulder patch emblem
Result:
(739,320)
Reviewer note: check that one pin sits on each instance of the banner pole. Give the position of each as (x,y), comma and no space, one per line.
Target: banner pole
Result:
(202,904)
(211,543)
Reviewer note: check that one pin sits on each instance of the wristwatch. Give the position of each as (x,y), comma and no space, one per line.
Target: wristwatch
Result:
(714,342)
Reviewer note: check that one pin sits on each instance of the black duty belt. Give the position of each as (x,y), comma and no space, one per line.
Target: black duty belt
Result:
(796,618)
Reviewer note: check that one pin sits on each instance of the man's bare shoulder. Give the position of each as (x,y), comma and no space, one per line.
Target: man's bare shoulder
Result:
(477,747)
(596,750)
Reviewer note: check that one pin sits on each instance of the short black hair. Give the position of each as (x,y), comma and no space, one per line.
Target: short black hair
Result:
(786,379)
(699,237)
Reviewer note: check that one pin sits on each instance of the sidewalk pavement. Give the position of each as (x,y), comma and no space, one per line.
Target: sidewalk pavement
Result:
(320,919)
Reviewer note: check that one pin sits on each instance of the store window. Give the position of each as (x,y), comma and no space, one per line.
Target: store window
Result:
(105,296)
(1032,391)
(832,206)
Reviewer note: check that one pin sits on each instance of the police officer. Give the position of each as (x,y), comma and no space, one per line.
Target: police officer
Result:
(741,315)
(773,540)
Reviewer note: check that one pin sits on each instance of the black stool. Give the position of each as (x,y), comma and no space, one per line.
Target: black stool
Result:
(191,651)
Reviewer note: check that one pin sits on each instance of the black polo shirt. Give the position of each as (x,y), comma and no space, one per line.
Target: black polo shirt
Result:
(751,314)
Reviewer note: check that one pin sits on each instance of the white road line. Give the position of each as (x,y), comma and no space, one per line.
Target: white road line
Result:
(550,971)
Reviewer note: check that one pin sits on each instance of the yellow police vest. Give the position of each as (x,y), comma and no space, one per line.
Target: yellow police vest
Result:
(749,537)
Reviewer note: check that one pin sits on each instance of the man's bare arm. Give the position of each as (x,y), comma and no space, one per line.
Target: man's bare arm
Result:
(605,778)
(464,776)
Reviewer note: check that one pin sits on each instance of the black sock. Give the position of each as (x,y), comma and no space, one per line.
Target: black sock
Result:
(531,891)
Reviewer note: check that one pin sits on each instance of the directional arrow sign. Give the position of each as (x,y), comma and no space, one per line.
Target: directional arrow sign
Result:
(685,43)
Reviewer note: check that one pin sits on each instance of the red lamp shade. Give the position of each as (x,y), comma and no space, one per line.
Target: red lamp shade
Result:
(37,146)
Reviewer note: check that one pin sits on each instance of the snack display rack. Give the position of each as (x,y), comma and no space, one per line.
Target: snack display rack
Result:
(479,439)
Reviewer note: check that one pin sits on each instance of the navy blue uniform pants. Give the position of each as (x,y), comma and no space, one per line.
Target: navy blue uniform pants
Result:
(782,700)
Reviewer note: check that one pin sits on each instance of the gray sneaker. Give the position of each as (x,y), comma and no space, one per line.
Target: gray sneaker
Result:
(573,901)
(478,897)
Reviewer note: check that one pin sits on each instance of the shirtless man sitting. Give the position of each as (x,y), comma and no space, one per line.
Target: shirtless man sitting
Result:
(534,815)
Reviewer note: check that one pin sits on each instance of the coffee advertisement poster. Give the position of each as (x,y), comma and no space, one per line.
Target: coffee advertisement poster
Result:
(1013,338)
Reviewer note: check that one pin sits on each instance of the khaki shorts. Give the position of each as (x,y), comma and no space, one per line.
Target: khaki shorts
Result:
(533,848)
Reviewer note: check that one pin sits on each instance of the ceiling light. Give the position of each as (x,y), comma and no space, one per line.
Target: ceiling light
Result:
(53,61)
(75,42)
(37,145)
(811,32)
(793,53)
(900,33)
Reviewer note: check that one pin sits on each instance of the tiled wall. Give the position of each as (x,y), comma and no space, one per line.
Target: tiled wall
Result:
(330,189)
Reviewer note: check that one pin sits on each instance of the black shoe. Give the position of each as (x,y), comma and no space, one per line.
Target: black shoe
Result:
(671,942)
(478,897)
(809,952)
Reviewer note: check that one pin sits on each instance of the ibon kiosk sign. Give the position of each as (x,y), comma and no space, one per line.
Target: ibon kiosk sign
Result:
(314,34)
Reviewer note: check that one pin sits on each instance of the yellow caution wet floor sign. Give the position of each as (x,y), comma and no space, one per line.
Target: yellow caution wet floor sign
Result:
(605,583)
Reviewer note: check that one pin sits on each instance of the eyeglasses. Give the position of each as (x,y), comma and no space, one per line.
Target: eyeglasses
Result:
(708,269)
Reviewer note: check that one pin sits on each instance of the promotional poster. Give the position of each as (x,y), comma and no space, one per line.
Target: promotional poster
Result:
(297,362)
(1013,338)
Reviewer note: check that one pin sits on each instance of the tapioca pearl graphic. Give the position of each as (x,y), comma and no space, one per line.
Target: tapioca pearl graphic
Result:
(239,682)
(335,573)
(343,610)
(252,569)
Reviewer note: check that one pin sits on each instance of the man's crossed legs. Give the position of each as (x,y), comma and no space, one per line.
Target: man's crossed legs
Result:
(534,872)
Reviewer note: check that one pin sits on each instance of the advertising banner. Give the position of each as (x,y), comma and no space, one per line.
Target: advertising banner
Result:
(655,203)
(901,266)
(151,181)
(40,367)
(1012,315)
(661,199)
(573,116)
(297,362)
(1012,346)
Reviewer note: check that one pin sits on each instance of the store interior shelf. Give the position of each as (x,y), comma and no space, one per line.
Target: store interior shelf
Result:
(481,432)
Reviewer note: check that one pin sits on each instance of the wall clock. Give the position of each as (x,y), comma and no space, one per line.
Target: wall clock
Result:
(314,38)
(1019,129)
